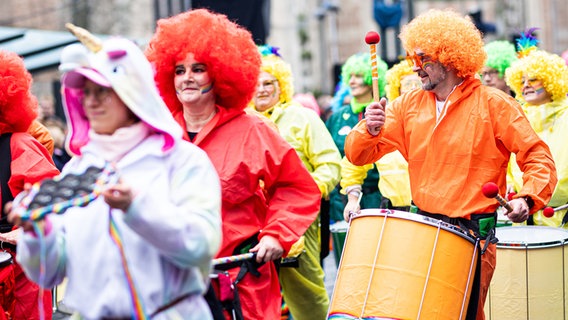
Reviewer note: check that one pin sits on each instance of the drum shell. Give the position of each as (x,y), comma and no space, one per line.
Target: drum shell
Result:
(530,279)
(402,269)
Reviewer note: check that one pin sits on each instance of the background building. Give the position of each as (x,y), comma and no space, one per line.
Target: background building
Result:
(315,36)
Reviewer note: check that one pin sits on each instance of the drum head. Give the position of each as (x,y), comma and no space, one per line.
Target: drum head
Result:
(339,226)
(530,236)
(5,258)
(416,218)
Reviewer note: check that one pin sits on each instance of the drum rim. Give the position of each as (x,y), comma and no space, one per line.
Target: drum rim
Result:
(518,245)
(6,260)
(433,222)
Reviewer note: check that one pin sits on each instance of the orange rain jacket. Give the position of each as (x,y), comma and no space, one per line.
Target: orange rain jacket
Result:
(451,159)
(246,151)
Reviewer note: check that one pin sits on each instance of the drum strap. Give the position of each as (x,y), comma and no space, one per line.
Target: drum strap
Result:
(481,223)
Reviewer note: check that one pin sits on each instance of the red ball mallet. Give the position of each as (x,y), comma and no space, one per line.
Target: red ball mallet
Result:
(549,211)
(491,190)
(372,39)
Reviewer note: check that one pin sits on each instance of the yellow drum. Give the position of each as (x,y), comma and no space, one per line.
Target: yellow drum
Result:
(530,279)
(399,265)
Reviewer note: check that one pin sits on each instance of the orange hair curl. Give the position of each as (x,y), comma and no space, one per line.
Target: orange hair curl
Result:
(18,106)
(447,37)
(228,51)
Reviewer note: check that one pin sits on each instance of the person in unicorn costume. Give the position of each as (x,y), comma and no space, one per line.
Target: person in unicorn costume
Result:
(143,248)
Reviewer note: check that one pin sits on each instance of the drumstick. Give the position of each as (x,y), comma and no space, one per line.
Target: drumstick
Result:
(372,39)
(235,258)
(549,211)
(490,190)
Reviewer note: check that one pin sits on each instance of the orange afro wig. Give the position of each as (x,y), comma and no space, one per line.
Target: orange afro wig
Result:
(228,51)
(447,37)
(18,107)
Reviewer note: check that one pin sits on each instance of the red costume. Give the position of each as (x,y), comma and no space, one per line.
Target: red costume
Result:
(266,189)
(29,162)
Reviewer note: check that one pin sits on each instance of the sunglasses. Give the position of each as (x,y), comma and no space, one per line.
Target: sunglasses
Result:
(417,60)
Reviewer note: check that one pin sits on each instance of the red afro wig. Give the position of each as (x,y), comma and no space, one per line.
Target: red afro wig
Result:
(228,51)
(447,37)
(18,107)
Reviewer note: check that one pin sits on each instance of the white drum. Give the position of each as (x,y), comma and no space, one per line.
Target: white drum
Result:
(530,279)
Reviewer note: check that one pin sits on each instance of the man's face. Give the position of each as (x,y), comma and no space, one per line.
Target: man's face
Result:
(431,72)
(490,77)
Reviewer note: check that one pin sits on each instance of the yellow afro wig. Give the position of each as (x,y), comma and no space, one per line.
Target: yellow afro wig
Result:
(447,37)
(281,70)
(546,67)
(393,76)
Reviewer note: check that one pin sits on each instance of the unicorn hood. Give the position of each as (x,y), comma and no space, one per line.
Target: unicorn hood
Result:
(119,64)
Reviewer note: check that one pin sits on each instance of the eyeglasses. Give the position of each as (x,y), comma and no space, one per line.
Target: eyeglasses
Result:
(530,81)
(268,84)
(417,59)
(98,93)
(489,73)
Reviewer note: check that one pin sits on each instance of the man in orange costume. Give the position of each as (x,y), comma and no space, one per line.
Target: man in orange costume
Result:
(456,135)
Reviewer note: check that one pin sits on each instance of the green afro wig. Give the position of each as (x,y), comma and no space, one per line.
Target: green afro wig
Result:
(500,55)
(360,64)
(447,37)
(546,67)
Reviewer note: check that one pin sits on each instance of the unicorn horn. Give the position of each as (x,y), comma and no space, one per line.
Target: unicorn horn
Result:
(93,43)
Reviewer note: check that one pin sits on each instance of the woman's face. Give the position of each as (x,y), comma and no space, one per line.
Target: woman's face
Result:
(192,82)
(534,92)
(409,82)
(104,109)
(358,87)
(267,92)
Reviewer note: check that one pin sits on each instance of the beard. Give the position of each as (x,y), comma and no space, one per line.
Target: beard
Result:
(433,82)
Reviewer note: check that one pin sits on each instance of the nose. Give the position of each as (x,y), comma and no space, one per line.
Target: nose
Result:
(89,100)
(352,79)
(526,83)
(187,76)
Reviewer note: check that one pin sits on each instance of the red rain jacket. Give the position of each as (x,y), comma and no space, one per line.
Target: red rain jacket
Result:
(248,153)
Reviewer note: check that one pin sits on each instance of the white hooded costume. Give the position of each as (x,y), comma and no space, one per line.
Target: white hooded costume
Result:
(171,230)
